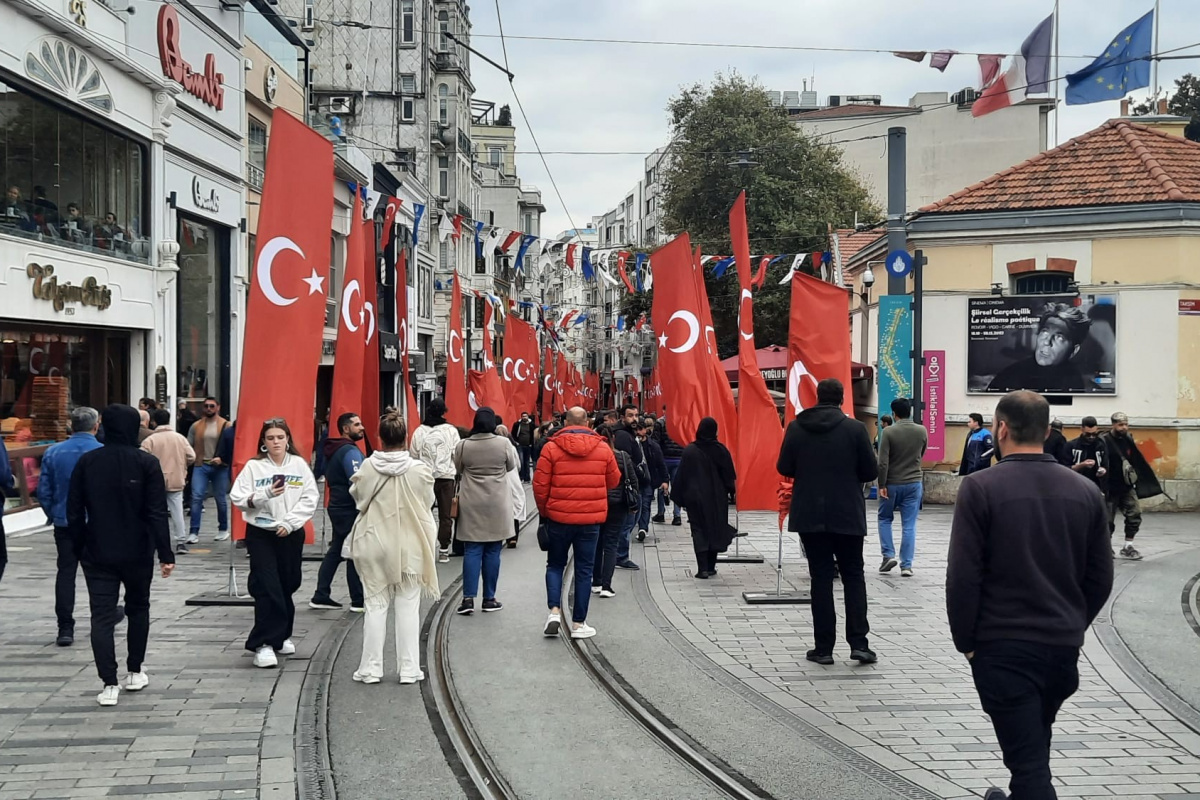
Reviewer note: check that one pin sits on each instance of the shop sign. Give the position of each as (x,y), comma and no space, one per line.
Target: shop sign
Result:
(773,374)
(46,287)
(78,10)
(935,415)
(1189,308)
(211,201)
(208,86)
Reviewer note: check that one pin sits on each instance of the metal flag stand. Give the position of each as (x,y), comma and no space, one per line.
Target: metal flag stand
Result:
(230,596)
(309,555)
(737,557)
(778,597)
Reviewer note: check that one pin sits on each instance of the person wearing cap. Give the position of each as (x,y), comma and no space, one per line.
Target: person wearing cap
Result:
(1130,479)
(1056,444)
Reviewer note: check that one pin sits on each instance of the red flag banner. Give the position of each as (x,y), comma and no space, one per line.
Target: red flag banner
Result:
(368,409)
(287,291)
(389,221)
(520,365)
(547,384)
(720,403)
(457,411)
(493,392)
(475,391)
(818,342)
(560,383)
(412,414)
(676,317)
(760,433)
(355,319)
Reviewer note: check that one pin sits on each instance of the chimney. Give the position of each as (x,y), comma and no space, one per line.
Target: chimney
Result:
(1125,107)
(1162,106)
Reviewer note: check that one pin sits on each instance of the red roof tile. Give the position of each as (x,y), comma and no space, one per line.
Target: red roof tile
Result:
(1118,163)
(850,241)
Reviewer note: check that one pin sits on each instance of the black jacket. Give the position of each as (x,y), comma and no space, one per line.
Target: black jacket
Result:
(616,496)
(830,457)
(117,503)
(1029,558)
(1056,445)
(342,460)
(625,439)
(522,432)
(1123,450)
(671,450)
(225,445)
(704,485)
(658,467)
(1083,449)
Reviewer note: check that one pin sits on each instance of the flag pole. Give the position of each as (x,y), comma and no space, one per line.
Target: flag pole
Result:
(1057,73)
(1154,55)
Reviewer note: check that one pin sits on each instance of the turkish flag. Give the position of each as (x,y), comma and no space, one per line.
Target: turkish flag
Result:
(676,316)
(520,366)
(720,397)
(760,433)
(412,414)
(561,376)
(368,409)
(356,319)
(547,383)
(457,411)
(818,346)
(287,292)
(492,395)
(389,221)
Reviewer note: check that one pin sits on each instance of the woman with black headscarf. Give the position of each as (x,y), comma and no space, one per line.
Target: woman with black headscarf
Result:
(483,461)
(703,485)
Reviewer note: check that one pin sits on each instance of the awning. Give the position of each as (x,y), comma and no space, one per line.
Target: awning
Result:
(772,363)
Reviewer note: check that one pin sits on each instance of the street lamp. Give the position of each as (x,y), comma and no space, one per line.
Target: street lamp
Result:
(868,280)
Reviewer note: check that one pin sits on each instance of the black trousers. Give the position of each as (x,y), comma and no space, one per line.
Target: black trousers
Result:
(64,579)
(3,549)
(343,523)
(275,576)
(104,582)
(607,542)
(706,560)
(821,549)
(1021,686)
(443,492)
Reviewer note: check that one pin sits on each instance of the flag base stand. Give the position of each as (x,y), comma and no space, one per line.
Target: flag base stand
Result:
(778,597)
(307,554)
(229,597)
(736,557)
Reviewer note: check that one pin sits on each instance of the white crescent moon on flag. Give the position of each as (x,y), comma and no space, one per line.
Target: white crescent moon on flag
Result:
(710,341)
(548,383)
(693,330)
(472,402)
(520,362)
(352,288)
(455,336)
(370,309)
(504,366)
(403,335)
(795,376)
(741,313)
(32,352)
(266,259)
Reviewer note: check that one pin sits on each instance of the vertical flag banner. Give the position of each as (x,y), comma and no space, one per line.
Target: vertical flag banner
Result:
(355,319)
(895,350)
(818,342)
(368,408)
(561,374)
(493,392)
(676,316)
(287,291)
(716,385)
(547,384)
(935,413)
(521,365)
(389,221)
(418,212)
(412,415)
(457,411)
(760,433)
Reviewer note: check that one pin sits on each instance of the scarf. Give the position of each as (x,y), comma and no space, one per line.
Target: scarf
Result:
(717,453)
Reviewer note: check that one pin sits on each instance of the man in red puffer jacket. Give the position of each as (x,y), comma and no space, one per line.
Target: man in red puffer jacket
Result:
(574,474)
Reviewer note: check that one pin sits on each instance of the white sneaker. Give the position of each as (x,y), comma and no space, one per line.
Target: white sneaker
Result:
(595,590)
(109,696)
(136,681)
(362,677)
(288,648)
(444,556)
(584,631)
(193,538)
(553,623)
(607,593)
(264,657)
(222,536)
(407,679)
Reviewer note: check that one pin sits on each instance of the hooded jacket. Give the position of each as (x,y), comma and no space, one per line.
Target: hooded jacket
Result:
(292,509)
(830,457)
(434,444)
(117,503)
(574,474)
(342,460)
(394,537)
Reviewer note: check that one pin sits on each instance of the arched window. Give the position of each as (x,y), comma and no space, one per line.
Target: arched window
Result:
(443,104)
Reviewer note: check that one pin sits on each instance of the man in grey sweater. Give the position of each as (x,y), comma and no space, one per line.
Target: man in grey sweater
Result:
(901,447)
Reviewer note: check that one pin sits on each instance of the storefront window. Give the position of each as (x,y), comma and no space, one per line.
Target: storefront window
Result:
(68,180)
(42,377)
(203,310)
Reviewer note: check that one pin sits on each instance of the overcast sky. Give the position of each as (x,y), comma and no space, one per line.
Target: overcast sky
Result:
(603,97)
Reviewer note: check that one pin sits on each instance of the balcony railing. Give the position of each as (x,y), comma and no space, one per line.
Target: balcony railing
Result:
(255,176)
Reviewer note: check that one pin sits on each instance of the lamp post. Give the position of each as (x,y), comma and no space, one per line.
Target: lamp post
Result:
(868,280)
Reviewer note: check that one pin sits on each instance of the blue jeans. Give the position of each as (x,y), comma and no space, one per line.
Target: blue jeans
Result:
(582,539)
(217,477)
(526,452)
(672,468)
(623,541)
(479,556)
(643,520)
(906,498)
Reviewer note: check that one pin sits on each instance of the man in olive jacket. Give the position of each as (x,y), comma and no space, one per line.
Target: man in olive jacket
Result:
(830,457)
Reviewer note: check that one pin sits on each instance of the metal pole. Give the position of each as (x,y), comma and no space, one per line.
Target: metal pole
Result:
(232,589)
(779,566)
(1154,56)
(918,355)
(897,234)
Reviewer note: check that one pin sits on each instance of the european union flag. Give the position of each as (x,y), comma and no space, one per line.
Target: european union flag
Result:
(1124,66)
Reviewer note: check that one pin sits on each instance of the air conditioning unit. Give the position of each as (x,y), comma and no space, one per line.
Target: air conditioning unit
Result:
(964,98)
(341,104)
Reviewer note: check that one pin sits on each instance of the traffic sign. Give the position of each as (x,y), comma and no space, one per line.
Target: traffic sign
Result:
(899,263)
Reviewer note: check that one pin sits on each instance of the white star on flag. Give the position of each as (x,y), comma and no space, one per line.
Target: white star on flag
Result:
(316,284)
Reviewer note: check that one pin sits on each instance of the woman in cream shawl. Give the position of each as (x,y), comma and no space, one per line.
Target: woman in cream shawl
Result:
(393,545)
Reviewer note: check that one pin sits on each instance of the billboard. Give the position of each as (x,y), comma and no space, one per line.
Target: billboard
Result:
(895,350)
(1053,344)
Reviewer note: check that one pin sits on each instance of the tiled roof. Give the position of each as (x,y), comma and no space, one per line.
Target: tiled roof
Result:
(853,110)
(851,241)
(1118,163)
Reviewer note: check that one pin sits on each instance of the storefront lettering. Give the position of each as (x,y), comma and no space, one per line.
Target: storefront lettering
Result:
(210,203)
(207,86)
(391,352)
(79,12)
(46,287)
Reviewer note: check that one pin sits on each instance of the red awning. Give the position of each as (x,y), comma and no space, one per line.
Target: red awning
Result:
(773,359)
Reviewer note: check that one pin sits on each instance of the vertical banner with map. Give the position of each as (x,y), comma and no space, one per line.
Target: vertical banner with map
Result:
(895,350)
(935,395)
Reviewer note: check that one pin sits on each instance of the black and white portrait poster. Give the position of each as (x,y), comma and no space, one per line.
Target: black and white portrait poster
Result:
(1053,344)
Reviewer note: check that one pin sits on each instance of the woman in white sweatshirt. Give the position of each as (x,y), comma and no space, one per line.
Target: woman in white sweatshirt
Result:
(277,495)
(392,545)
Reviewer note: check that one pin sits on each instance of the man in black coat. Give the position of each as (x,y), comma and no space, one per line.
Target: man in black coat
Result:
(117,519)
(830,457)
(522,436)
(1056,444)
(625,438)
(672,452)
(659,478)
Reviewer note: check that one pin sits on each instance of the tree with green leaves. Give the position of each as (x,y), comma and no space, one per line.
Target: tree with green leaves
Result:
(727,137)
(1185,102)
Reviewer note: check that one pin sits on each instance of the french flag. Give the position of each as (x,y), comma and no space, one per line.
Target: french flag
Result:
(1027,73)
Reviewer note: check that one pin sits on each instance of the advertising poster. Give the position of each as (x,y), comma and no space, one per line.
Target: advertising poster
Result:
(895,350)
(1052,344)
(935,393)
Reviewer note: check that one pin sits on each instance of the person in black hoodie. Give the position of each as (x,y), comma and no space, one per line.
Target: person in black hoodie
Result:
(705,484)
(672,451)
(1056,444)
(830,457)
(342,460)
(625,438)
(522,436)
(659,479)
(117,519)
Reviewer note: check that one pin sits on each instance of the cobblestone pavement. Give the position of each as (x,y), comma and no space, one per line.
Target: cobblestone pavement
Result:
(208,727)
(916,711)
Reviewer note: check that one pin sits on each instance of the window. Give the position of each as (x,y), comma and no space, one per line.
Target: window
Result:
(443,104)
(649,206)
(408,33)
(481,266)
(1042,283)
(621,233)
(425,293)
(496,156)
(649,176)
(263,32)
(256,155)
(203,309)
(527,221)
(443,29)
(479,310)
(69,181)
(408,100)
(443,176)
(444,257)
(337,263)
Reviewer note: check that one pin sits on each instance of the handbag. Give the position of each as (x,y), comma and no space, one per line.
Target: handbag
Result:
(633,497)
(454,502)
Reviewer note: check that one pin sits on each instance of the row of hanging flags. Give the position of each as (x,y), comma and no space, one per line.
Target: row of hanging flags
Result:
(1123,67)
